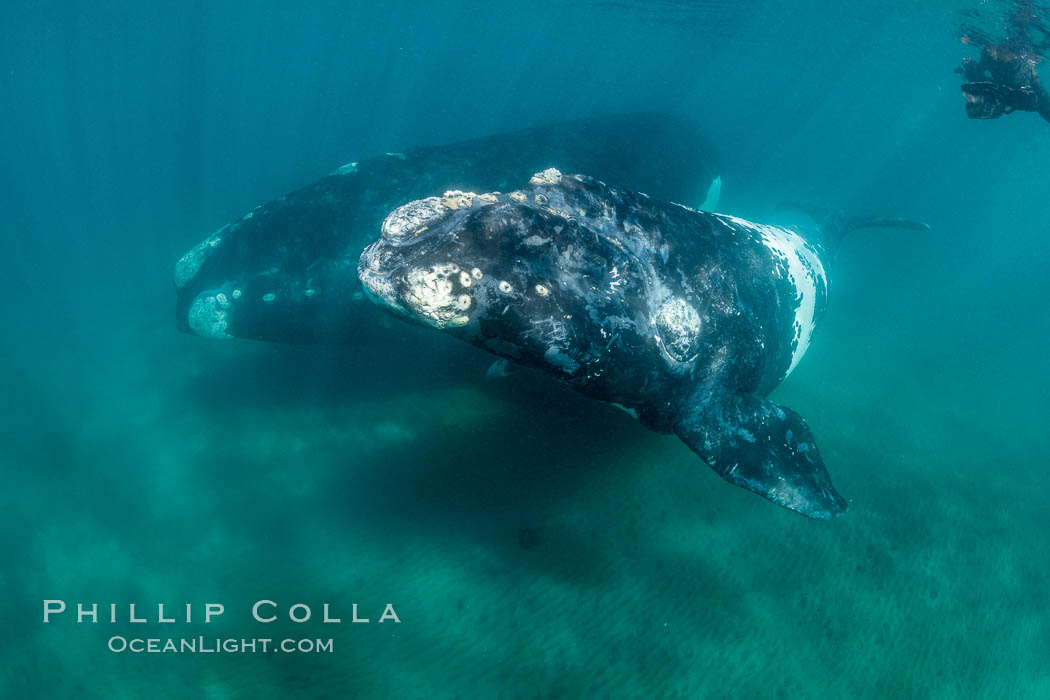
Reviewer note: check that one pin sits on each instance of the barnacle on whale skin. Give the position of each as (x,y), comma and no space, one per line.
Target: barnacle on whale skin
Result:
(550,176)
(190,263)
(454,199)
(412,217)
(430,294)
(208,316)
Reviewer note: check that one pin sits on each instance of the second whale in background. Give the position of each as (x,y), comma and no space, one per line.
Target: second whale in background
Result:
(287,271)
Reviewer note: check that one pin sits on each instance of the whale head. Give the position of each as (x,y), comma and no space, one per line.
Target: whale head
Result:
(477,265)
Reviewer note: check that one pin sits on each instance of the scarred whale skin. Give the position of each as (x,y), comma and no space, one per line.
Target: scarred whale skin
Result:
(287,271)
(688,318)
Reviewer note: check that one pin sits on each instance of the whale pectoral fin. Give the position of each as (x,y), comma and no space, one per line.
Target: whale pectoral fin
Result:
(763,447)
(714,194)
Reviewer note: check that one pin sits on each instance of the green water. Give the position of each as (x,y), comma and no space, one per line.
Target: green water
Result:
(651,575)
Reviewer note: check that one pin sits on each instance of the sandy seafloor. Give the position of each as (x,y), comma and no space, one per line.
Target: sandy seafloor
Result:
(142,465)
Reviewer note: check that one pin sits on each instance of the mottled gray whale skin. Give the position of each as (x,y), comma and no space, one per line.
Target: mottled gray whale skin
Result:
(688,318)
(287,271)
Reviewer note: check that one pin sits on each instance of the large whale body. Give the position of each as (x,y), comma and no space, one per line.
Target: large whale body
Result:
(287,271)
(685,317)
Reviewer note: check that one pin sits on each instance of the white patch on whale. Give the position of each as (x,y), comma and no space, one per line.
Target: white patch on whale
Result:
(190,263)
(678,324)
(415,216)
(458,199)
(430,295)
(550,176)
(804,268)
(207,316)
(410,217)
(347,169)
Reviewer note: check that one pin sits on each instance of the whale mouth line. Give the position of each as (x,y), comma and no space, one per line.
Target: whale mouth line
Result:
(381,294)
(378,283)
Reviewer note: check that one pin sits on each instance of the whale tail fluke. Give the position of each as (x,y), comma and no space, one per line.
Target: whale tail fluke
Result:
(763,447)
(835,225)
(859,222)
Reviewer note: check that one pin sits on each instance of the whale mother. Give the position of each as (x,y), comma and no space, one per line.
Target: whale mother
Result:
(685,317)
(287,271)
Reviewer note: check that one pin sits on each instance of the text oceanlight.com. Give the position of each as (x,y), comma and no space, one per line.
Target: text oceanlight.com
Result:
(203,645)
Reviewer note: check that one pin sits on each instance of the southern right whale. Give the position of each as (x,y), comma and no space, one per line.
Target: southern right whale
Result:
(287,271)
(687,318)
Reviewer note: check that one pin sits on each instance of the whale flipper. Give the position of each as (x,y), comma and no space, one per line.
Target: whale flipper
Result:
(714,195)
(763,447)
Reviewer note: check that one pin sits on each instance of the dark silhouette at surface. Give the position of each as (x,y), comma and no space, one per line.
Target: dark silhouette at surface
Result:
(1004,79)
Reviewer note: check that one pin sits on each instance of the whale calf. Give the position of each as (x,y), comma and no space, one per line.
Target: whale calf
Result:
(686,318)
(287,271)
